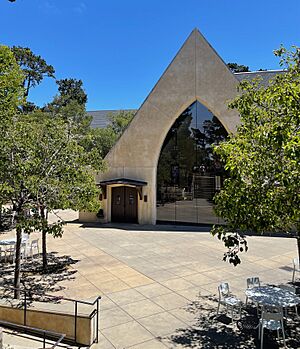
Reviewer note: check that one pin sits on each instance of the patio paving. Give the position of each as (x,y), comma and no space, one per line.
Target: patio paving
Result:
(149,278)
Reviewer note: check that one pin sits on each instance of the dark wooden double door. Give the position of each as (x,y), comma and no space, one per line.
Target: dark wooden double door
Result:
(124,205)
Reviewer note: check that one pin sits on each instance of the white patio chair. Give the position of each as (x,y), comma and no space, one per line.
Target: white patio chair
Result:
(296,268)
(228,300)
(252,282)
(273,321)
(2,254)
(34,246)
(11,252)
(23,250)
(25,237)
(292,290)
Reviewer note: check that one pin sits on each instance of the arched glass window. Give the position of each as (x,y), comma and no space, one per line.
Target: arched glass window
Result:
(189,173)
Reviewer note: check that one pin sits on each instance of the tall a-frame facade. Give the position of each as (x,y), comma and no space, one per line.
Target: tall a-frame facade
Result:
(129,187)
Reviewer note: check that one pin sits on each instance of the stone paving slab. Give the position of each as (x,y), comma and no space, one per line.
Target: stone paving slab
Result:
(162,324)
(148,278)
(126,335)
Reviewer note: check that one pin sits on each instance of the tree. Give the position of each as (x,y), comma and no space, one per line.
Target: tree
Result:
(68,181)
(120,121)
(34,67)
(237,68)
(106,138)
(262,193)
(101,140)
(70,90)
(43,167)
(11,91)
(11,97)
(70,104)
(43,162)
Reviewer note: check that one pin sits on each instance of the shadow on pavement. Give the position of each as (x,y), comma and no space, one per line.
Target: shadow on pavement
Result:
(35,280)
(212,331)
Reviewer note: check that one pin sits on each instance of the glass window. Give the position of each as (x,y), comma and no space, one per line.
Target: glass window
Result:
(118,201)
(188,172)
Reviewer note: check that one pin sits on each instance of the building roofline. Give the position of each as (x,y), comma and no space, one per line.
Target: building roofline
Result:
(261,71)
(131,109)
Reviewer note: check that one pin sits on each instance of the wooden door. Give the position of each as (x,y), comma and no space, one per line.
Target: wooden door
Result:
(124,205)
(130,212)
(117,204)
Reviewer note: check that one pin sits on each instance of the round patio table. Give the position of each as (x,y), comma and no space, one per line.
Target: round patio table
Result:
(273,296)
(8,242)
(12,241)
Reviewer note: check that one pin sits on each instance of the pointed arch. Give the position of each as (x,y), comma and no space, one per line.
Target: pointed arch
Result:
(196,73)
(189,173)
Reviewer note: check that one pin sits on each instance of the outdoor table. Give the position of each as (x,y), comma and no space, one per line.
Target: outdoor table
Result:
(9,245)
(8,242)
(12,241)
(273,296)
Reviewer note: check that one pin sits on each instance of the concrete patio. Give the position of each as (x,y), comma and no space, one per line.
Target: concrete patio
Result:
(148,277)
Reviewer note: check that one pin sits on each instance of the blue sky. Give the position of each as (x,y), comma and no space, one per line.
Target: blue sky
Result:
(120,48)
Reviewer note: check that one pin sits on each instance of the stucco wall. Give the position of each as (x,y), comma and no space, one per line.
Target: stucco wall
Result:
(196,73)
(56,319)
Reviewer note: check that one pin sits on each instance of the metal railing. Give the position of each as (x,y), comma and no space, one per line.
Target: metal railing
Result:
(36,331)
(93,315)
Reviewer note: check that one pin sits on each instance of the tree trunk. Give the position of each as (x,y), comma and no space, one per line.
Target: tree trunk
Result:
(27,87)
(1,222)
(1,338)
(44,247)
(298,244)
(18,263)
(44,241)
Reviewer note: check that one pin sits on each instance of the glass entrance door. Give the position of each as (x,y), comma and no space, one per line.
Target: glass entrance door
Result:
(189,173)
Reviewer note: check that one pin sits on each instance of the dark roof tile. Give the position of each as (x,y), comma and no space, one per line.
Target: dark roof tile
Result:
(101,117)
(265,75)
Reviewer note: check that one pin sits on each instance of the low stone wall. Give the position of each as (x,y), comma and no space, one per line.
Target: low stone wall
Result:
(58,318)
(85,216)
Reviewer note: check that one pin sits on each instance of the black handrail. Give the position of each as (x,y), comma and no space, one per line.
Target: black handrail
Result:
(91,315)
(60,336)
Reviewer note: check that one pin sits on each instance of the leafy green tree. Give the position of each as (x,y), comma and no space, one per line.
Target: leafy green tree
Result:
(34,67)
(67,185)
(70,104)
(263,158)
(237,68)
(70,90)
(11,91)
(11,97)
(120,120)
(43,167)
(43,162)
(101,140)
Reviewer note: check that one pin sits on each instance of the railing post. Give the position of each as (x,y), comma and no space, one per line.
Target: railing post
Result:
(75,328)
(97,322)
(25,309)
